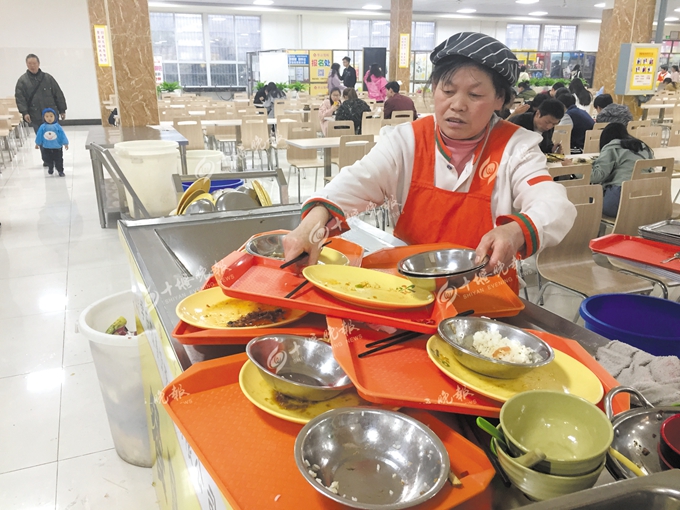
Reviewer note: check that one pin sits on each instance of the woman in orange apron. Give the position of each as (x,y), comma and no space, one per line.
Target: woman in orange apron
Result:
(461,176)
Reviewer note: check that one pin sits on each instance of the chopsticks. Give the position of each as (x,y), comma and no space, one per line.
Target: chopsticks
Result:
(290,294)
(487,450)
(299,258)
(399,338)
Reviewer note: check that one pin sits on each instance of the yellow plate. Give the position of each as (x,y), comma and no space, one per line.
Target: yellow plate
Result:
(211,309)
(200,184)
(187,199)
(262,395)
(262,194)
(365,287)
(563,374)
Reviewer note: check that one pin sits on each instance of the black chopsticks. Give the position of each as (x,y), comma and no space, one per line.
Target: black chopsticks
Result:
(292,292)
(399,338)
(299,258)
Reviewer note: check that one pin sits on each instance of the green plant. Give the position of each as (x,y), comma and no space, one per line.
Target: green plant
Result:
(169,86)
(260,85)
(282,86)
(297,86)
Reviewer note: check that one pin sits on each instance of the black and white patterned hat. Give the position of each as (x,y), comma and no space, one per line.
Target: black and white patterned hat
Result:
(483,49)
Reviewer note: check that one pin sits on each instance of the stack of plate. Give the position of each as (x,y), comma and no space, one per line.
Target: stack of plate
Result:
(667,231)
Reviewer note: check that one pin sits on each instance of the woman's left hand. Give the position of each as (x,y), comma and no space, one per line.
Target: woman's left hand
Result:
(501,245)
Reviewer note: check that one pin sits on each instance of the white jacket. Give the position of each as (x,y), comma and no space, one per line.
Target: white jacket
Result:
(384,176)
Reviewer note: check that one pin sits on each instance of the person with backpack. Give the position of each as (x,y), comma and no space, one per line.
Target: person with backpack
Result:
(34,92)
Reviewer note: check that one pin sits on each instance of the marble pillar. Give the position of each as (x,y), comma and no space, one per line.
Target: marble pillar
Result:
(630,21)
(130,31)
(105,85)
(401,13)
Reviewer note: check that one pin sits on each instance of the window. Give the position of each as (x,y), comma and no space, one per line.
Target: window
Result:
(200,50)
(422,36)
(376,34)
(559,38)
(522,37)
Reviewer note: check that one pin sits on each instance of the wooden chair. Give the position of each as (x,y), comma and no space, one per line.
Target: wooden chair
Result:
(191,129)
(300,159)
(280,105)
(283,123)
(643,202)
(403,114)
(674,137)
(600,125)
(652,136)
(371,103)
(5,135)
(562,136)
(371,125)
(337,128)
(255,137)
(633,125)
(240,95)
(570,264)
(314,117)
(353,148)
(581,172)
(592,141)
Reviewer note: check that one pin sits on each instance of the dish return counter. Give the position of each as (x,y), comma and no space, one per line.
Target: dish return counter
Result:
(170,258)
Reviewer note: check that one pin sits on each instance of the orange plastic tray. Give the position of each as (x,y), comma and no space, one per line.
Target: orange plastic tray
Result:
(244,276)
(491,297)
(637,249)
(249,453)
(309,325)
(403,375)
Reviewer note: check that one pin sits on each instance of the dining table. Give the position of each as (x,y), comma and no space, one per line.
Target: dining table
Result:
(660,107)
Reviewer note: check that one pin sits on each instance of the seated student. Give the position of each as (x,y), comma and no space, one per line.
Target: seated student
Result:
(543,121)
(667,84)
(525,91)
(556,87)
(618,153)
(608,111)
(566,119)
(396,102)
(581,121)
(581,94)
(352,108)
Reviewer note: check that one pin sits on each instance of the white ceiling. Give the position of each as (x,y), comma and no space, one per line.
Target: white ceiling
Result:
(568,9)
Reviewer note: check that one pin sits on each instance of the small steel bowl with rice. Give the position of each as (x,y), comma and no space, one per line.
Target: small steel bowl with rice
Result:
(372,458)
(440,269)
(481,344)
(298,367)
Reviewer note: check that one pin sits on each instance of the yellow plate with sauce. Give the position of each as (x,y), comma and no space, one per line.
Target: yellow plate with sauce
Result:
(262,395)
(564,373)
(211,309)
(367,288)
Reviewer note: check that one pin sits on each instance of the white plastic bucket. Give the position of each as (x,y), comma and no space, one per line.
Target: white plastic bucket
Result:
(204,162)
(149,166)
(119,371)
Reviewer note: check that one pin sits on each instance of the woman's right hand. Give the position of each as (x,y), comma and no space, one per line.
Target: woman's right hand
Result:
(309,236)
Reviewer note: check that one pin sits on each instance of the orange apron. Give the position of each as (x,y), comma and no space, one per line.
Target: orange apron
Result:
(435,215)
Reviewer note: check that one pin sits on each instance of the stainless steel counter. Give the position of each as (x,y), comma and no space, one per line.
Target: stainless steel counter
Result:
(174,256)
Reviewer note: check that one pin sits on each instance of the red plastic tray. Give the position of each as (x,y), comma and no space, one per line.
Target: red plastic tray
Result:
(244,276)
(491,297)
(637,249)
(309,325)
(404,375)
(249,453)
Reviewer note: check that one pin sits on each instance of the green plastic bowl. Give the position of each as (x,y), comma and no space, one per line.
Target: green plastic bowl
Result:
(573,433)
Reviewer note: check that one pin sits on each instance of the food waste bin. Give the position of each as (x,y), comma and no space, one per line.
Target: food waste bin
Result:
(116,359)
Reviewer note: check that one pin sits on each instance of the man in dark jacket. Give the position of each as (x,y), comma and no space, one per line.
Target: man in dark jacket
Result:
(582,122)
(396,102)
(36,91)
(609,111)
(349,74)
(543,122)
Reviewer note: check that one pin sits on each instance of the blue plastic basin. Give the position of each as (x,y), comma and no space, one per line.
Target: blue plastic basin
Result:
(215,185)
(648,323)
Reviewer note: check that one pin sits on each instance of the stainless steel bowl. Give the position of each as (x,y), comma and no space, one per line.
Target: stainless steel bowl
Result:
(380,459)
(271,246)
(637,433)
(200,206)
(299,367)
(458,333)
(439,269)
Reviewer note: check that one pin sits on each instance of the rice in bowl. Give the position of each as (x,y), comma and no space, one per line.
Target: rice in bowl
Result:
(492,345)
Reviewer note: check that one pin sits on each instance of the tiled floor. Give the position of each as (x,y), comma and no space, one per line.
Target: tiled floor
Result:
(56,450)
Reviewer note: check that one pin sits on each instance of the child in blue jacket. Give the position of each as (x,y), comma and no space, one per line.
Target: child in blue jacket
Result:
(51,138)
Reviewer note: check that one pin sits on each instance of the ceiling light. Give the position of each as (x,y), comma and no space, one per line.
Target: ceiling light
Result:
(538,13)
(600,6)
(672,18)
(263,2)
(466,11)
(593,21)
(527,1)
(677,10)
(372,7)
(455,16)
